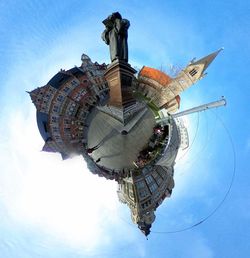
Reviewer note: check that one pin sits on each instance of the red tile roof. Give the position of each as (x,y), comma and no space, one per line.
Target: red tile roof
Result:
(156,75)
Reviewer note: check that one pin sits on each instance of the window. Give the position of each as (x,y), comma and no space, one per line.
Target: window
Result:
(60,98)
(145,170)
(130,191)
(161,171)
(74,83)
(54,119)
(153,187)
(81,135)
(66,89)
(149,179)
(55,108)
(45,127)
(158,180)
(55,129)
(78,97)
(140,184)
(146,204)
(143,193)
(193,72)
(182,83)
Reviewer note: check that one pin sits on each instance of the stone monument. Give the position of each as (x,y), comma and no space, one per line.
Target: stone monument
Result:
(119,75)
(115,35)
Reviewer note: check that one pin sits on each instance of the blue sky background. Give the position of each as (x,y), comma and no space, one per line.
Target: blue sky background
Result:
(50,208)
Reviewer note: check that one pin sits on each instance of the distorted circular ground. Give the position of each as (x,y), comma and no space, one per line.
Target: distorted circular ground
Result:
(118,150)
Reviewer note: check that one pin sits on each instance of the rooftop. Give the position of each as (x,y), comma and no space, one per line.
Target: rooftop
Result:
(155,75)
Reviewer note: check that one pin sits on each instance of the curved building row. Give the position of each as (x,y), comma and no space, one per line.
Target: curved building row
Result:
(64,104)
(121,125)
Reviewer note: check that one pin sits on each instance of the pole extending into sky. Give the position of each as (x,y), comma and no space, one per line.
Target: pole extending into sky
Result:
(214,104)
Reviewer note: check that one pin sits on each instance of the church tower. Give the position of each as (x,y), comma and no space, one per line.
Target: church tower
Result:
(194,71)
(163,90)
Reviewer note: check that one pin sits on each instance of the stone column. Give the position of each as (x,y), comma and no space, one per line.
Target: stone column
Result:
(119,76)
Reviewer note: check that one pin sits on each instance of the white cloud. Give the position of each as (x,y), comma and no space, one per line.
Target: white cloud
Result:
(59,198)
(39,190)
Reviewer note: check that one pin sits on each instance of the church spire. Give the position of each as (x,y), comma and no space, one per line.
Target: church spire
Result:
(206,61)
(195,70)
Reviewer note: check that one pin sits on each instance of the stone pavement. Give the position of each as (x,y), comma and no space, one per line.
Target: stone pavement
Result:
(118,151)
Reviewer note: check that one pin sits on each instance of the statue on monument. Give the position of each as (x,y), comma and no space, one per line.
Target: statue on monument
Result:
(115,35)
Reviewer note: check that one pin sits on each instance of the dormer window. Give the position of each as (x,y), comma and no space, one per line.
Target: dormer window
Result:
(193,72)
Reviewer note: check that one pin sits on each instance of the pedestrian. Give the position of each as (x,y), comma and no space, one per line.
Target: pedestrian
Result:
(98,160)
(90,150)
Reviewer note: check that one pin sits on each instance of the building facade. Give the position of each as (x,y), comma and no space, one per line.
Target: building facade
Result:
(143,191)
(64,104)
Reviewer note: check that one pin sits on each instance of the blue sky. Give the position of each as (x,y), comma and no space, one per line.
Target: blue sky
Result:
(51,208)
